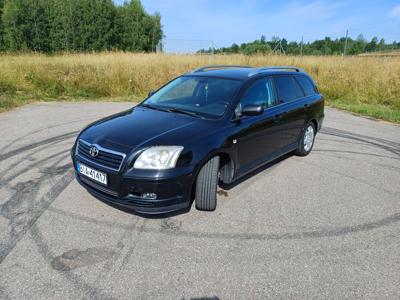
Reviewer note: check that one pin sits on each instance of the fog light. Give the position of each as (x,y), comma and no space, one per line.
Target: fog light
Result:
(149,196)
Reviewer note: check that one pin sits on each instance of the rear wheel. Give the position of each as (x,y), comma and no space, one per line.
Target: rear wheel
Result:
(206,185)
(307,140)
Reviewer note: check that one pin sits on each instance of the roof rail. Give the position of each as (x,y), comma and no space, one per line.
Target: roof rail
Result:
(205,68)
(268,68)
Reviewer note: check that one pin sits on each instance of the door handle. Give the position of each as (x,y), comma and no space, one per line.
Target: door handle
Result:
(305,107)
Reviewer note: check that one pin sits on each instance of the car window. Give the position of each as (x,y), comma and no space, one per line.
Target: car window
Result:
(261,92)
(306,84)
(288,89)
(205,96)
(183,90)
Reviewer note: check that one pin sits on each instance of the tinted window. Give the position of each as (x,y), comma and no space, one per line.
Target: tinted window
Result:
(306,84)
(183,90)
(260,92)
(202,95)
(288,89)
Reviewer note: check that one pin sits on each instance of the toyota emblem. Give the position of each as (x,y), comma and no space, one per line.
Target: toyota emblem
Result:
(94,152)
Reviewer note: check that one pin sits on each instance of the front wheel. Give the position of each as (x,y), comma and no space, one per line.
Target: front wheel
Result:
(206,185)
(306,142)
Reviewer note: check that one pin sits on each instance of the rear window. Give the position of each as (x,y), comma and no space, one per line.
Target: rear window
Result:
(306,84)
(288,89)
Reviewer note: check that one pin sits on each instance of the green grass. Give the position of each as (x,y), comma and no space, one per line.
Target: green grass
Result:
(375,111)
(368,86)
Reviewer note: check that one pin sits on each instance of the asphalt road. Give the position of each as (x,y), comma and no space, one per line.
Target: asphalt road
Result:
(323,226)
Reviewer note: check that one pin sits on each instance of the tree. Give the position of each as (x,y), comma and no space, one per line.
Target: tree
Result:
(25,25)
(61,32)
(372,46)
(37,37)
(98,25)
(13,29)
(152,31)
(132,33)
(235,48)
(1,25)
(284,44)
(77,25)
(327,46)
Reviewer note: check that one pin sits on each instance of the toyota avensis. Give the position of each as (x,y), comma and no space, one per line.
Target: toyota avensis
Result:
(208,127)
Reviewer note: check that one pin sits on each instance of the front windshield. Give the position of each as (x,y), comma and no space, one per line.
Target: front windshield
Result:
(205,96)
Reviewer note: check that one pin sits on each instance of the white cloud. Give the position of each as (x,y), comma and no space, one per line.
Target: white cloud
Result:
(395,12)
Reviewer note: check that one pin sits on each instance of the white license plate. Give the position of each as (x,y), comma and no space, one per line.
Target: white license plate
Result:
(93,174)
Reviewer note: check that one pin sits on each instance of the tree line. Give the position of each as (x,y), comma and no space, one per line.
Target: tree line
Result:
(77,25)
(325,46)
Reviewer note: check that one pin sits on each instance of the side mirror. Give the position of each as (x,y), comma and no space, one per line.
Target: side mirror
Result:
(252,110)
(151,93)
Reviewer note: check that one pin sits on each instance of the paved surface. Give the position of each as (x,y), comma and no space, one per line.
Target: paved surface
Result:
(324,226)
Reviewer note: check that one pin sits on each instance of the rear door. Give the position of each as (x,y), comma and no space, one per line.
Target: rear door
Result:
(292,109)
(314,101)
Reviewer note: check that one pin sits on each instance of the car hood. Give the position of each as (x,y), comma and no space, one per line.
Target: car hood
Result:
(141,127)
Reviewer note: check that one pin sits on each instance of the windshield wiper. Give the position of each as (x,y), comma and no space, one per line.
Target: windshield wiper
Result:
(173,110)
(185,112)
(154,107)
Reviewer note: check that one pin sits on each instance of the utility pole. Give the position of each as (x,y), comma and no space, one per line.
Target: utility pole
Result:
(282,50)
(301,47)
(345,43)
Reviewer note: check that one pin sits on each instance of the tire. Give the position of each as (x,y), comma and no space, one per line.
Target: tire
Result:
(307,140)
(206,185)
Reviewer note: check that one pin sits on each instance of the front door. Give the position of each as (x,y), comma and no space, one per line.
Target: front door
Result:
(258,137)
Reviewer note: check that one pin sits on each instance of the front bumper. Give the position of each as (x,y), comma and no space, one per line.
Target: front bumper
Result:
(173,192)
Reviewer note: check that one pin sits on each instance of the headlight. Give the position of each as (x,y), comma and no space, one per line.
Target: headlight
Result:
(158,158)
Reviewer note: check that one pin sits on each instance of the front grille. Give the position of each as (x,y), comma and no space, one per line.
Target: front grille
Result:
(106,158)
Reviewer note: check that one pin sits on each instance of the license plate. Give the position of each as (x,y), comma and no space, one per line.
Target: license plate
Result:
(92,174)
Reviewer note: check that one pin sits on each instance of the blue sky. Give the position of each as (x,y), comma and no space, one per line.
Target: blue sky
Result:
(229,21)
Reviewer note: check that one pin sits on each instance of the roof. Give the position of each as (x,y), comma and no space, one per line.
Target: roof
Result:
(241,73)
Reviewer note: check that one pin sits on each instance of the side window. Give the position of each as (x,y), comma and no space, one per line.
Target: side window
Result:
(288,89)
(307,85)
(260,92)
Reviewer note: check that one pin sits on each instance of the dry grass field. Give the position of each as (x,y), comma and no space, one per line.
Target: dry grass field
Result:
(364,85)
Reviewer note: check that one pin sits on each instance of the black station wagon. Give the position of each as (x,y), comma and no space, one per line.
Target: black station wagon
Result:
(208,127)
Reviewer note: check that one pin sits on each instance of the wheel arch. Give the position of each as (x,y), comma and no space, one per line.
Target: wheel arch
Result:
(315,123)
(226,168)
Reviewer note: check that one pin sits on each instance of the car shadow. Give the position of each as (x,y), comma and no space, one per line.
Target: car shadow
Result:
(147,216)
(255,172)
(221,185)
